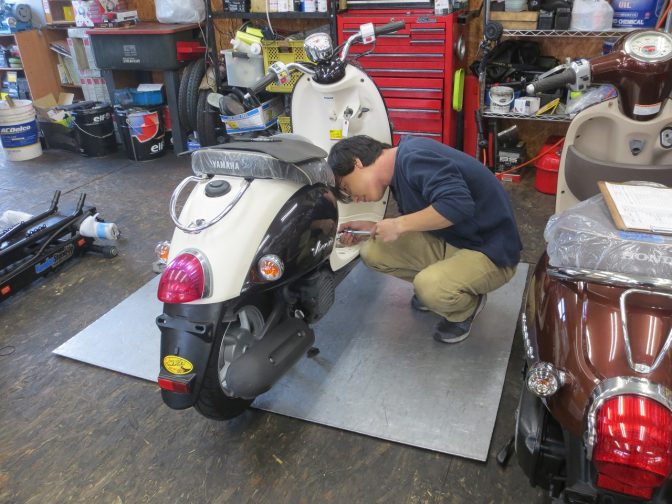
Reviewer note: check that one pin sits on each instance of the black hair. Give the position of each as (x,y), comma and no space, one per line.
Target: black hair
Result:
(343,154)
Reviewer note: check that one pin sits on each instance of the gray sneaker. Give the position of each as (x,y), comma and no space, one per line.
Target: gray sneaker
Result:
(417,305)
(454,332)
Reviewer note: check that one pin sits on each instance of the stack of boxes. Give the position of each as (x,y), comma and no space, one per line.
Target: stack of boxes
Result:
(90,77)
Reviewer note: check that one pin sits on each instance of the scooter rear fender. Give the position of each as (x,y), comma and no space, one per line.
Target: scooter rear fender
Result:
(187,334)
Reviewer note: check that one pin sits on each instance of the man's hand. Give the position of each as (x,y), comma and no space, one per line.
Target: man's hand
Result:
(388,230)
(350,239)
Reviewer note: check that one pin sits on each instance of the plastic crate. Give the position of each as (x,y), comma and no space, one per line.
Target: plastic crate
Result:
(285,51)
(285,124)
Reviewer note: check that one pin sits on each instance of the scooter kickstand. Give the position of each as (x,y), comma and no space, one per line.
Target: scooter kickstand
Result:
(506,452)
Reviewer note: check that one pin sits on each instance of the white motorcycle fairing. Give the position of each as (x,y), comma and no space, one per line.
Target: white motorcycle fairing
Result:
(328,112)
(231,244)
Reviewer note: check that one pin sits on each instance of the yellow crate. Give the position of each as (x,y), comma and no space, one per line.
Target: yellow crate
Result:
(285,51)
(285,124)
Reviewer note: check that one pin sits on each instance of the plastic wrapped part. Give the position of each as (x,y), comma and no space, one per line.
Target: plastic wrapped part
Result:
(10,218)
(586,237)
(180,11)
(258,165)
(592,96)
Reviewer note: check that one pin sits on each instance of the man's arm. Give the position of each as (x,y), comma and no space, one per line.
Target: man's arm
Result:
(427,219)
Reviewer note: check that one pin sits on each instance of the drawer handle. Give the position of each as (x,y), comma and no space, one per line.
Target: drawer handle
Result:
(403,70)
(416,133)
(406,55)
(427,111)
(427,42)
(427,30)
(422,90)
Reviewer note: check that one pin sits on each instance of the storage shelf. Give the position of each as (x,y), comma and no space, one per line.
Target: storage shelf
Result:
(71,86)
(273,15)
(512,115)
(614,32)
(8,69)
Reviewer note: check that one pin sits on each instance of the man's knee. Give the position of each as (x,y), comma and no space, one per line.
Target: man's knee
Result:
(432,293)
(372,255)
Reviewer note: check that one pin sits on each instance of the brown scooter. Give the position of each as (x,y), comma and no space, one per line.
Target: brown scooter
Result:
(594,422)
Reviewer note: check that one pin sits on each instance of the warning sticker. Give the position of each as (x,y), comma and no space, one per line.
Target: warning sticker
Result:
(647,109)
(177,365)
(335,134)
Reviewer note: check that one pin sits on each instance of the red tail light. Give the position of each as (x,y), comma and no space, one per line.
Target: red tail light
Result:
(633,449)
(183,280)
(180,387)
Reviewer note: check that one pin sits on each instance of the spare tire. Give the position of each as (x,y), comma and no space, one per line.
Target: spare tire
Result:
(207,120)
(194,82)
(182,96)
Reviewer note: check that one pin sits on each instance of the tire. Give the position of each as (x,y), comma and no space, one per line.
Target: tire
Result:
(206,121)
(213,401)
(182,96)
(193,83)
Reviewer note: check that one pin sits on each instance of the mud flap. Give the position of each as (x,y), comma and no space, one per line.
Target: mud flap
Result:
(187,335)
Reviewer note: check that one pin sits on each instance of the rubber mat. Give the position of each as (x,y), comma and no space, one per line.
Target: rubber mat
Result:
(379,372)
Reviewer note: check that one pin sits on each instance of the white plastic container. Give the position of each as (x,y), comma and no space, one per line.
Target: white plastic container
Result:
(19,132)
(243,71)
(501,98)
(515,5)
(591,15)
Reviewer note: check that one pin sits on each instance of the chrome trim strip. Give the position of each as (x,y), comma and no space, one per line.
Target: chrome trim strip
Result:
(207,270)
(637,366)
(206,224)
(622,385)
(609,278)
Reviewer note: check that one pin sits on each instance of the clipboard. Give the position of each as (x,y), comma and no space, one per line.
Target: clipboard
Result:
(639,208)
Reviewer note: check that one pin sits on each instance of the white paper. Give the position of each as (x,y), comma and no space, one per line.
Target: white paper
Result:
(149,87)
(643,207)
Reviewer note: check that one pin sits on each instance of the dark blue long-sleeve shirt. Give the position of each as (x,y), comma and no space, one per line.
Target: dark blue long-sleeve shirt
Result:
(463,191)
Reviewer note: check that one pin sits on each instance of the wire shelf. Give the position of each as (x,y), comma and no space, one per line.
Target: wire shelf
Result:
(512,115)
(614,32)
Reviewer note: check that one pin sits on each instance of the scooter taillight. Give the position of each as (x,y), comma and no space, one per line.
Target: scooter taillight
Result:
(183,280)
(633,448)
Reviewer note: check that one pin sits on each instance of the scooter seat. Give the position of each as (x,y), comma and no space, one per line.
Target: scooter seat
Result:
(275,158)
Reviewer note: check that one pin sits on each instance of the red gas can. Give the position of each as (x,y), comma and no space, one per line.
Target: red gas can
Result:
(548,165)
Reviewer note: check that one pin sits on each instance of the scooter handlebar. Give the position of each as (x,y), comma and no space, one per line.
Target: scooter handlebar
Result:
(260,85)
(567,76)
(390,27)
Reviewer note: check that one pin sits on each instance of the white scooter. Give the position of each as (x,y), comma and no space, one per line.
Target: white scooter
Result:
(254,260)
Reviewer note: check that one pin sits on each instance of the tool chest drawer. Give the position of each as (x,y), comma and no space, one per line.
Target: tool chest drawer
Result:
(404,87)
(415,115)
(430,69)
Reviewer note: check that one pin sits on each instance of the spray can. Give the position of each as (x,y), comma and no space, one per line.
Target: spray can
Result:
(321,5)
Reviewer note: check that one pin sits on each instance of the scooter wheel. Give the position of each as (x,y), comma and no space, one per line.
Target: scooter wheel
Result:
(110,252)
(182,96)
(193,85)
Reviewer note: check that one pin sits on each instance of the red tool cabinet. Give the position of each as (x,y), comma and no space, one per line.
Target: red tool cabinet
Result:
(413,68)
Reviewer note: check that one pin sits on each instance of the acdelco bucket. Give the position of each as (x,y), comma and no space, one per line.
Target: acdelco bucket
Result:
(94,130)
(143,132)
(19,132)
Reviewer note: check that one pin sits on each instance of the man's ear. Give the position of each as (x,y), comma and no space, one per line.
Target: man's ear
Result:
(358,163)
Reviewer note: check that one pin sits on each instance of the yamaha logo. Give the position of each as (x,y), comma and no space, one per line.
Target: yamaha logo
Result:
(226,165)
(650,258)
(15,129)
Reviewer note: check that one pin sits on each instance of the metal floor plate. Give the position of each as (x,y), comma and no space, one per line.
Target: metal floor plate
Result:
(379,372)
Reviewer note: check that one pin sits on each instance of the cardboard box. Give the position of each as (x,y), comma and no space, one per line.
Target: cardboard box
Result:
(526,20)
(43,106)
(255,120)
(92,12)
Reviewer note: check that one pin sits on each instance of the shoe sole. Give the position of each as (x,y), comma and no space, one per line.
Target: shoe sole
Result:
(464,336)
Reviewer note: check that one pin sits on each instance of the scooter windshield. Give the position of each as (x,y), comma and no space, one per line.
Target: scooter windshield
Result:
(259,165)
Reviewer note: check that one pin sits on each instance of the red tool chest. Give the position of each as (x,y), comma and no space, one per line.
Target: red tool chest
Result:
(413,68)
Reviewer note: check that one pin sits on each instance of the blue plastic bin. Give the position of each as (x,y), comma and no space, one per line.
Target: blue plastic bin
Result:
(147,97)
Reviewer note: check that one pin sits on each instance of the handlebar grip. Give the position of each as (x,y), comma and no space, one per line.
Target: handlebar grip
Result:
(567,76)
(390,27)
(260,85)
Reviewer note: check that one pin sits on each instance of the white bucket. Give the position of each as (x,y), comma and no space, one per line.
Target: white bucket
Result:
(501,98)
(19,132)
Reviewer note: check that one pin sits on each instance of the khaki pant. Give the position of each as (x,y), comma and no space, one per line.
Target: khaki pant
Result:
(447,280)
